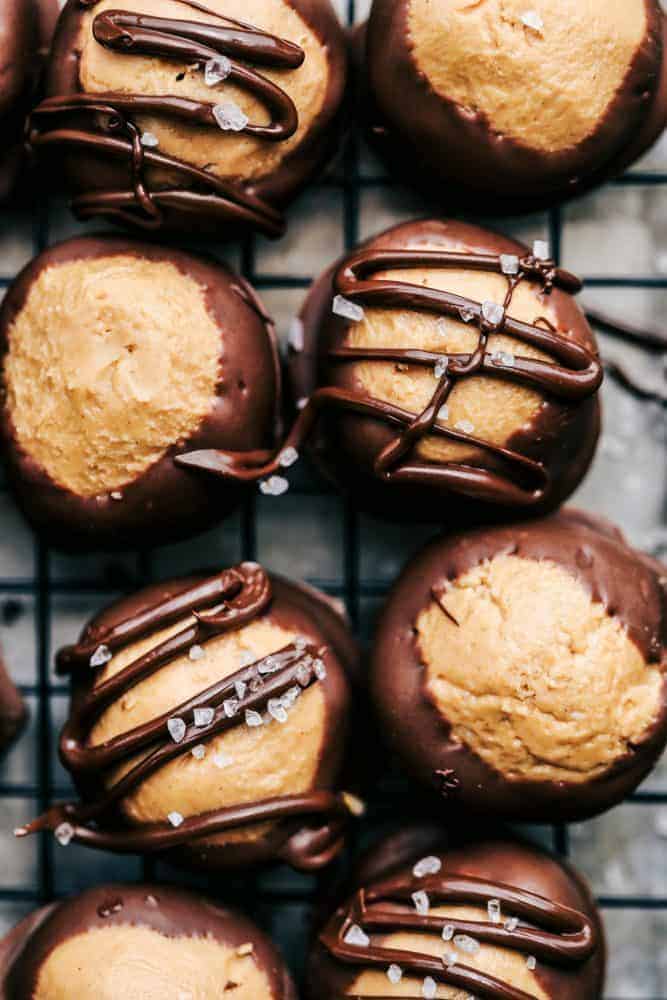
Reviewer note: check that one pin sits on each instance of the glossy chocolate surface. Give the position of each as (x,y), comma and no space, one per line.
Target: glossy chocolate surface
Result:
(546,912)
(171,912)
(164,502)
(311,825)
(630,586)
(95,137)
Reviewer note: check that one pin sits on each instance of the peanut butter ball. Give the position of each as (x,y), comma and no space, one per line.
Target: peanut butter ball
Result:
(514,105)
(442,373)
(26,27)
(169,114)
(140,942)
(115,356)
(448,918)
(520,670)
(212,724)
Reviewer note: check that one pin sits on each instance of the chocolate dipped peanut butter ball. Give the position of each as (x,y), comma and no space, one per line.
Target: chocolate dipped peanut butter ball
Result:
(176,114)
(439,917)
(140,942)
(26,27)
(443,372)
(514,105)
(115,356)
(520,671)
(208,719)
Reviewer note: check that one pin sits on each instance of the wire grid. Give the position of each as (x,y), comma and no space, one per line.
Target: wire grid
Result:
(283,901)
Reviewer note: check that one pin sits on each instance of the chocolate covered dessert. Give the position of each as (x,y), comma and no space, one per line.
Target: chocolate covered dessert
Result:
(443,372)
(208,719)
(115,356)
(176,114)
(497,920)
(513,105)
(140,942)
(520,671)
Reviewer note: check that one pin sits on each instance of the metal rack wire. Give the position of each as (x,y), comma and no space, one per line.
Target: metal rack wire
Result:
(265,896)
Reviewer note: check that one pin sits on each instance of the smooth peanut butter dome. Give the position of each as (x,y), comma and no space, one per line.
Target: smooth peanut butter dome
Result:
(213,724)
(516,101)
(535,664)
(142,942)
(116,355)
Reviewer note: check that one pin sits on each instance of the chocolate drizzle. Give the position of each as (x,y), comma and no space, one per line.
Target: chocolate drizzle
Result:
(104,122)
(219,604)
(575,375)
(551,932)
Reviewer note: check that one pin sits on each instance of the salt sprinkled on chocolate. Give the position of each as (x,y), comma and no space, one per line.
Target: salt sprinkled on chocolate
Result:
(421,901)
(64,833)
(101,656)
(240,687)
(199,752)
(448,932)
(493,312)
(427,866)
(511,924)
(394,973)
(531,962)
(319,669)
(356,936)
(443,413)
(493,909)
(355,805)
(116,495)
(509,263)
(229,117)
(429,988)
(288,457)
(302,674)
(505,358)
(175,818)
(149,140)
(348,310)
(541,250)
(467,314)
(176,728)
(216,70)
(231,707)
(277,710)
(203,717)
(274,486)
(466,944)
(440,368)
(195,653)
(253,718)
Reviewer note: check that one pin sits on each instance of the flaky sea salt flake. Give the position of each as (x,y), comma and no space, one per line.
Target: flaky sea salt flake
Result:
(277,710)
(493,909)
(440,368)
(394,973)
(355,805)
(421,902)
(509,263)
(230,707)
(176,728)
(216,70)
(357,937)
(203,717)
(229,117)
(319,669)
(303,674)
(448,932)
(253,718)
(195,652)
(348,310)
(429,988)
(101,656)
(175,818)
(466,943)
(64,833)
(149,140)
(511,924)
(541,250)
(427,866)
(467,314)
(199,752)
(240,687)
(531,963)
(493,312)
(288,457)
(274,486)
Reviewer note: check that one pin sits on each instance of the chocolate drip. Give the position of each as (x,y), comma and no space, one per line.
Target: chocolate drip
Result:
(104,122)
(220,604)
(575,375)
(546,930)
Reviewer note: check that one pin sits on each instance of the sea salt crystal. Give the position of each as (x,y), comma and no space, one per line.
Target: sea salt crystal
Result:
(531,962)
(465,426)
(466,944)
(493,313)
(274,486)
(394,973)
(240,687)
(355,936)
(269,665)
(443,413)
(421,901)
(101,656)
(199,752)
(203,716)
(195,653)
(64,833)
(302,403)
(429,989)
(176,728)
(348,310)
(295,335)
(252,718)
(355,805)
(116,495)
(149,140)
(221,759)
(229,117)
(531,19)
(277,710)
(303,674)
(450,959)
(509,263)
(319,669)
(511,924)
(448,932)
(245,949)
(505,358)
(427,866)
(290,696)
(493,909)
(441,367)
(467,314)
(216,70)
(541,250)
(230,707)
(175,818)
(288,457)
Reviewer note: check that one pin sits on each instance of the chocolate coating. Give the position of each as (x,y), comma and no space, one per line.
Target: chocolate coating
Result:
(308,828)
(455,153)
(367,446)
(570,965)
(13,712)
(164,502)
(94,138)
(171,912)
(630,587)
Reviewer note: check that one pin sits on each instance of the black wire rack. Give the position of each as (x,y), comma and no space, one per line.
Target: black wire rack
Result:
(281,900)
